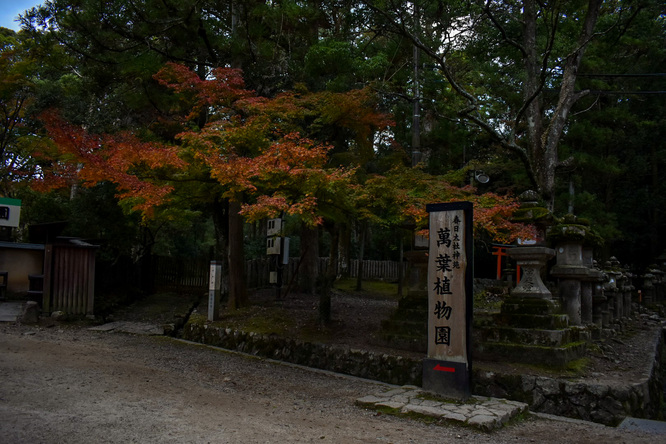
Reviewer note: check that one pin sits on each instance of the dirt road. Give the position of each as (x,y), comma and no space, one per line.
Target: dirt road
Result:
(77,386)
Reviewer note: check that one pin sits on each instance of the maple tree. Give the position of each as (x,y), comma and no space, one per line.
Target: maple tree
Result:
(249,146)
(264,157)
(399,198)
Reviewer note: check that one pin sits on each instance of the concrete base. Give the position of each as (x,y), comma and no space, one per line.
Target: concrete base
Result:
(447,379)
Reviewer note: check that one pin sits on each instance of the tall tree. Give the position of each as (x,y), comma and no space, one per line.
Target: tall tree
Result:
(512,66)
(17,81)
(616,136)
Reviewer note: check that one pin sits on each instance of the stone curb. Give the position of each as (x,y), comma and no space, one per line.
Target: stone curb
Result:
(137,328)
(486,414)
(602,403)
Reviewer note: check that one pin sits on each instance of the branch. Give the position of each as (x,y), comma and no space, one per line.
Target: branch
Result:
(544,70)
(440,60)
(567,95)
(500,28)
(506,144)
(468,112)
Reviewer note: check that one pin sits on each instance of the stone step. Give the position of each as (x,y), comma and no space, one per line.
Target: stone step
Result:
(547,322)
(525,336)
(533,306)
(530,354)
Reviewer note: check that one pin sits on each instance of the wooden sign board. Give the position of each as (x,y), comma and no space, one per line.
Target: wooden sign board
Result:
(447,369)
(214,288)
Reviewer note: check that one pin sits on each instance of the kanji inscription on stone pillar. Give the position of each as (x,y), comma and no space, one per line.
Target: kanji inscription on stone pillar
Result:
(447,368)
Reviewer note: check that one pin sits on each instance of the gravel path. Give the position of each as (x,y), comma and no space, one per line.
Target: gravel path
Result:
(77,386)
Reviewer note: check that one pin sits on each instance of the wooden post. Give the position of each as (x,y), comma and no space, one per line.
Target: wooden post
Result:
(48,278)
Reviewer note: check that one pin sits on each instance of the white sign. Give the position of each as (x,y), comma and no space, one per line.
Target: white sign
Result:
(274,227)
(214,285)
(10,212)
(273,245)
(215,277)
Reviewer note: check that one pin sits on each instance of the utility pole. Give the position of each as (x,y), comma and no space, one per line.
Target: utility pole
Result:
(416,113)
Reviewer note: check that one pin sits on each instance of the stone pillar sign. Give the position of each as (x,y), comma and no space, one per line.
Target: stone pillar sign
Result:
(214,287)
(447,369)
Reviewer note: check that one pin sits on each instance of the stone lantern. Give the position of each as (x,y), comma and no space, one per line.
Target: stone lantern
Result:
(628,290)
(648,289)
(599,301)
(571,270)
(590,287)
(658,283)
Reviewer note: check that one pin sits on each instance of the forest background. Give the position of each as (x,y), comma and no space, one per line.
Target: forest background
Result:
(176,127)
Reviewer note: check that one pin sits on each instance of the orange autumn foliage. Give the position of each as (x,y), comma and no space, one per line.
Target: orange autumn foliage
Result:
(258,151)
(123,159)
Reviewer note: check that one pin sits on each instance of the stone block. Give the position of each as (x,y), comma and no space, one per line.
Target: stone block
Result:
(548,386)
(484,422)
(396,405)
(548,322)
(369,400)
(453,416)
(423,410)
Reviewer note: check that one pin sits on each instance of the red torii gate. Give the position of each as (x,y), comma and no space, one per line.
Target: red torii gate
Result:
(500,251)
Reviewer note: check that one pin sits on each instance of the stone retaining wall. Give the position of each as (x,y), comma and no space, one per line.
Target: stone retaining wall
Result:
(362,363)
(602,403)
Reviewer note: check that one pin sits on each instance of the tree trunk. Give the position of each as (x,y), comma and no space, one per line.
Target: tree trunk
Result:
(329,277)
(237,287)
(401,256)
(309,267)
(221,247)
(361,256)
(344,251)
(545,149)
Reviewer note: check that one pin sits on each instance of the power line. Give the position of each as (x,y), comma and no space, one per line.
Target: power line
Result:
(604,92)
(654,74)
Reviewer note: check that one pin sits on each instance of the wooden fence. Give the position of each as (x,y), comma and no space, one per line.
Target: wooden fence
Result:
(193,274)
(178,273)
(257,271)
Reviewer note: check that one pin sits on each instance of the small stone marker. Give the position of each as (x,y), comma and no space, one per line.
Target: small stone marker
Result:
(30,313)
(447,369)
(214,286)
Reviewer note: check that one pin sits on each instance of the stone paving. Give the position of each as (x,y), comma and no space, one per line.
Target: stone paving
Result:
(10,310)
(480,412)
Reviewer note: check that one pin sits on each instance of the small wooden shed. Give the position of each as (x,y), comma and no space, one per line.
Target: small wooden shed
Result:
(69,276)
(59,275)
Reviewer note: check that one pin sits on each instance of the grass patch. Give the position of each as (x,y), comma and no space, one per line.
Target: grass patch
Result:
(490,299)
(572,368)
(577,367)
(384,289)
(258,320)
